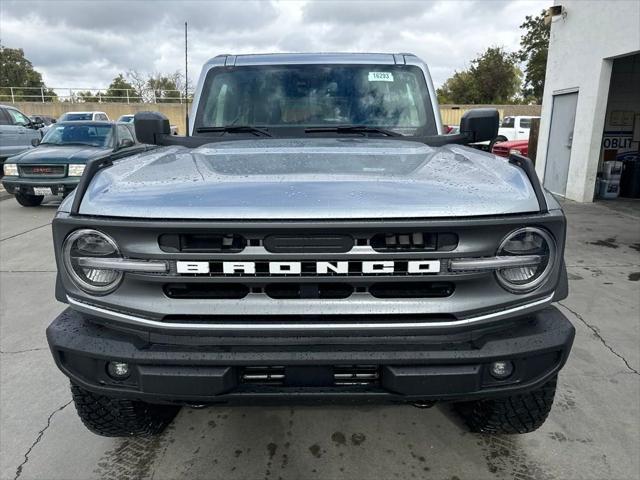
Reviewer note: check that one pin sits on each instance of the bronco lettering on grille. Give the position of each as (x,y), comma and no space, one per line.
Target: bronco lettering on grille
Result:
(310,268)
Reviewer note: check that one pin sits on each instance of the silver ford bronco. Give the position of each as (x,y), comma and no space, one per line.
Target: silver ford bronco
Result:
(316,238)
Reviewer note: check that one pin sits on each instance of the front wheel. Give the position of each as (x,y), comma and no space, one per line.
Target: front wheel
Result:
(521,413)
(29,200)
(117,417)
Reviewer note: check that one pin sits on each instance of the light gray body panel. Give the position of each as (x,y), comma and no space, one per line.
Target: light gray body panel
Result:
(327,178)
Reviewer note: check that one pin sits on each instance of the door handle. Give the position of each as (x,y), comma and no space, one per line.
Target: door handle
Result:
(570,144)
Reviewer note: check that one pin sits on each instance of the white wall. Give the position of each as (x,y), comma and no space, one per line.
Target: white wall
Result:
(581,49)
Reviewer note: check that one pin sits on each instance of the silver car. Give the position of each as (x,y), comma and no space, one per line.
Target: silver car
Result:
(17,132)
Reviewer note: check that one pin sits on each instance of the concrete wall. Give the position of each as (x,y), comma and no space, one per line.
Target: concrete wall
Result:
(582,47)
(174,111)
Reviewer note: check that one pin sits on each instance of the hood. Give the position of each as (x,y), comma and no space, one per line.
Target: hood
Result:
(70,154)
(327,178)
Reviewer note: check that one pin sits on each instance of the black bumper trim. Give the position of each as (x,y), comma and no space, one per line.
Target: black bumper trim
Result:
(453,368)
(26,184)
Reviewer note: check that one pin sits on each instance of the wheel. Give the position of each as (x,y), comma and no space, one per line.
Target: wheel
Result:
(498,139)
(116,417)
(29,200)
(521,413)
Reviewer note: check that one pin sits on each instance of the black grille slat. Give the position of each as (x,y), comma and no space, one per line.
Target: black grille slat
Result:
(415,241)
(202,243)
(411,290)
(298,290)
(308,243)
(206,290)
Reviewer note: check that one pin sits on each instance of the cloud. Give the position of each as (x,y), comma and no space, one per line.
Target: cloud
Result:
(85,44)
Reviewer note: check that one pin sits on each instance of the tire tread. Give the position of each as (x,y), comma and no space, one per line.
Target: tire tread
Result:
(522,413)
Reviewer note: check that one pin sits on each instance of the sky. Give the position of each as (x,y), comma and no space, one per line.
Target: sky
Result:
(84,44)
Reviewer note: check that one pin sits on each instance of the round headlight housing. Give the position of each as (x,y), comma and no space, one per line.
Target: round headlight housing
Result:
(530,242)
(87,243)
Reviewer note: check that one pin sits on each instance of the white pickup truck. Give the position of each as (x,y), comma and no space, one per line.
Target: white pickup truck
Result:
(514,128)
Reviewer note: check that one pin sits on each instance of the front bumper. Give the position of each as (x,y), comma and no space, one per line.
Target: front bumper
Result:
(213,369)
(25,185)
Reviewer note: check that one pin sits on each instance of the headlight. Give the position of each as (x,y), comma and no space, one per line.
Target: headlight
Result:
(529,241)
(76,170)
(515,150)
(11,169)
(86,243)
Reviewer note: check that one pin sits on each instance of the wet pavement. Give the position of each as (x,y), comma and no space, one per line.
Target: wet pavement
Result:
(593,431)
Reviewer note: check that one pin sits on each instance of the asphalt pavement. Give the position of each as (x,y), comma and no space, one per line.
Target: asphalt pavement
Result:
(593,431)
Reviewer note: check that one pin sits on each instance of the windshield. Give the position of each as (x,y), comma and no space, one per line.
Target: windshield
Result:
(93,135)
(393,97)
(70,117)
(126,118)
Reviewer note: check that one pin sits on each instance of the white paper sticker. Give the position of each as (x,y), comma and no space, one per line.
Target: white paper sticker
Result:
(380,77)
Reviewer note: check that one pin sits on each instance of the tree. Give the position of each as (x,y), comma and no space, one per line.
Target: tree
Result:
(492,78)
(165,89)
(120,90)
(17,74)
(534,46)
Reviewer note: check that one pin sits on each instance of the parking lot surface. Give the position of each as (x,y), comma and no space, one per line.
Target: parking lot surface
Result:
(593,431)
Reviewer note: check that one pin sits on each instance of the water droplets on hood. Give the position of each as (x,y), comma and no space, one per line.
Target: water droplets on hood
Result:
(311,178)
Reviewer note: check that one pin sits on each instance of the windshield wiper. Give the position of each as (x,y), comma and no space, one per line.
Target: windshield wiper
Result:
(352,129)
(235,129)
(69,143)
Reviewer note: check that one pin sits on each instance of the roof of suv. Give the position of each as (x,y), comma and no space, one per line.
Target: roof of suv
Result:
(320,58)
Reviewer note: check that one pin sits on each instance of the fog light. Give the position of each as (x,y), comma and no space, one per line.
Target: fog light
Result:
(501,370)
(118,370)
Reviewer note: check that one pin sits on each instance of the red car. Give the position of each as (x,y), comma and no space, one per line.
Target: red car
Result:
(503,149)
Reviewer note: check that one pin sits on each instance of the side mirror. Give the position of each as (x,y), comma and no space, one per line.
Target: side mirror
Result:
(35,142)
(150,126)
(480,124)
(53,120)
(126,142)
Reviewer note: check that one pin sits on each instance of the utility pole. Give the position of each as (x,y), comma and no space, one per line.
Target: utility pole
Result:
(186,80)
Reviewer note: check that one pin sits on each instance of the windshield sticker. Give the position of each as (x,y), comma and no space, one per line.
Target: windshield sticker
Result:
(380,77)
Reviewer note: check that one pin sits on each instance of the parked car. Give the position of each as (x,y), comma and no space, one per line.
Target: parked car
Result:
(126,118)
(129,119)
(84,116)
(44,120)
(503,149)
(17,132)
(321,247)
(55,166)
(514,128)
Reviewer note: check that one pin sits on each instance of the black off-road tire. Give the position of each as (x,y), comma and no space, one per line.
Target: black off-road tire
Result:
(116,417)
(522,413)
(29,200)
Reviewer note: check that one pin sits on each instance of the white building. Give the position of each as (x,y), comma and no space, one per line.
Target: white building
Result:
(591,103)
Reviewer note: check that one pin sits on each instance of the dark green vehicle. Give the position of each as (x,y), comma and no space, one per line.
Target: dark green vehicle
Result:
(55,166)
